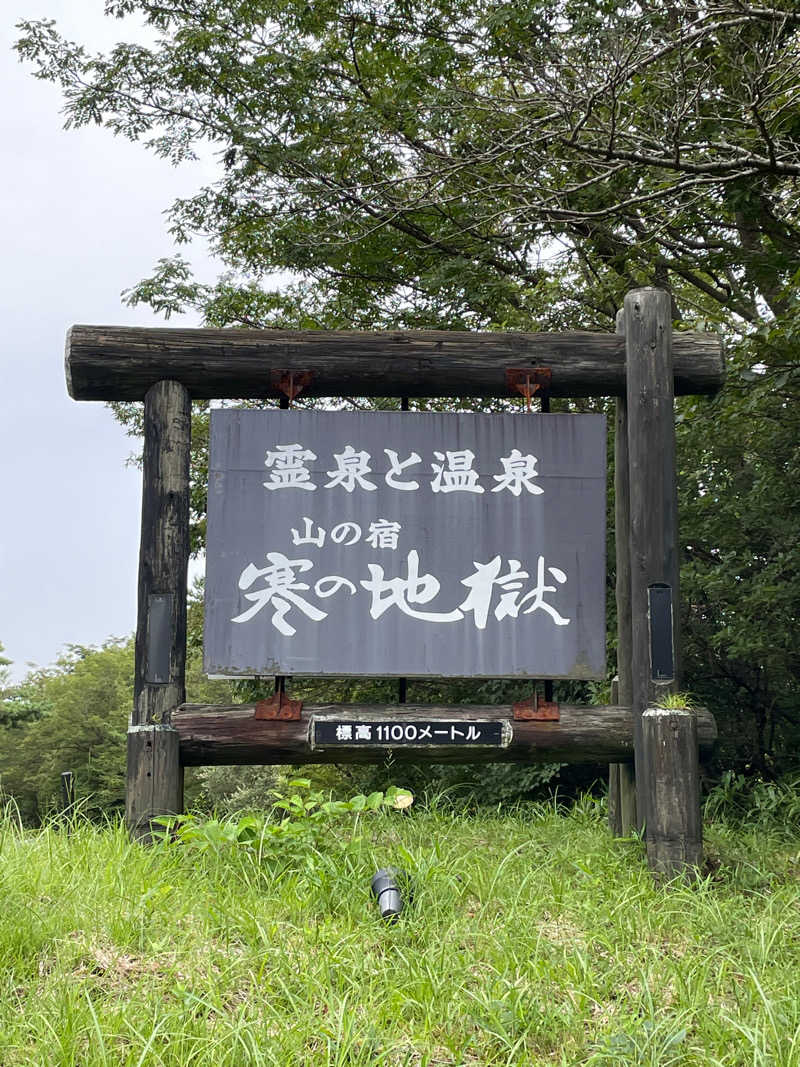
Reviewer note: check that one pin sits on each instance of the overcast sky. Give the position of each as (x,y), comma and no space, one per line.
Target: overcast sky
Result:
(82,220)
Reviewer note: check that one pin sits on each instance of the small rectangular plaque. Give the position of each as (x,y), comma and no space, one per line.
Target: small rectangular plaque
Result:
(662,658)
(159,637)
(407,733)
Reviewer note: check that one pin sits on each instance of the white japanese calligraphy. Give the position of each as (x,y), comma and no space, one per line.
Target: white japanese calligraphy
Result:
(289,467)
(345,530)
(537,596)
(398,468)
(518,470)
(326,587)
(403,592)
(481,586)
(383,534)
(454,474)
(281,590)
(351,468)
(487,575)
(307,538)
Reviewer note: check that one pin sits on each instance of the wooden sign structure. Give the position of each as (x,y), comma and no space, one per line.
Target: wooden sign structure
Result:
(644,365)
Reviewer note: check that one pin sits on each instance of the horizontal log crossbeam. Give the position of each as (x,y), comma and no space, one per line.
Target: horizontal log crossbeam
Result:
(229,734)
(122,363)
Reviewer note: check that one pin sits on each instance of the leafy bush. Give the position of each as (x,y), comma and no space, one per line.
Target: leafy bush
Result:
(232,790)
(468,785)
(754,801)
(293,827)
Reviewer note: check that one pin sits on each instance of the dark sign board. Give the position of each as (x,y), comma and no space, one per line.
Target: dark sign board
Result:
(406,544)
(414,733)
(662,655)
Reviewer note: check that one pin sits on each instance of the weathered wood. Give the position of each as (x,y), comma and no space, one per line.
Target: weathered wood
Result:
(654,593)
(621,779)
(627,799)
(155,778)
(614,816)
(228,734)
(159,684)
(674,825)
(122,363)
(621,789)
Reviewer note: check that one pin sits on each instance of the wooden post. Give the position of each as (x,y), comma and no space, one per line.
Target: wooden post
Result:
(67,794)
(621,782)
(621,789)
(655,652)
(674,829)
(154,777)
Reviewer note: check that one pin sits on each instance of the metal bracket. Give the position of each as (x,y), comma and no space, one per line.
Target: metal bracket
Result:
(529,382)
(279,706)
(536,710)
(291,383)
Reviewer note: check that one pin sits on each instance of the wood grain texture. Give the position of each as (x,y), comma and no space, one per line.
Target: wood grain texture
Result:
(154,780)
(621,779)
(674,825)
(122,363)
(164,547)
(228,734)
(653,528)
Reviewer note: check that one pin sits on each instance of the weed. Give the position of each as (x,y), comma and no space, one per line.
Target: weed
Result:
(534,939)
(302,819)
(676,702)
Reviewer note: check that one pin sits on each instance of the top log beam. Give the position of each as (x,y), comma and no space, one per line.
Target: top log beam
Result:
(122,363)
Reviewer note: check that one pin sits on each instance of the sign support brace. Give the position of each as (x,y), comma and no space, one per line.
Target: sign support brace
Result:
(279,706)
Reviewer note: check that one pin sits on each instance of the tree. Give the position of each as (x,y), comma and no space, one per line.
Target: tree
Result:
(15,705)
(739,504)
(83,705)
(515,165)
(79,717)
(417,159)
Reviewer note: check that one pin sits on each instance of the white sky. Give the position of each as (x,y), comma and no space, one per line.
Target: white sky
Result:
(82,220)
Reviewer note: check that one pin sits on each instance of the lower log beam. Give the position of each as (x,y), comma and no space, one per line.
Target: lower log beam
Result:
(229,734)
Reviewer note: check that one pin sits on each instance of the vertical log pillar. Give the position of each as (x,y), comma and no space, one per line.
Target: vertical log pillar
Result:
(154,786)
(621,782)
(155,777)
(654,595)
(621,785)
(674,828)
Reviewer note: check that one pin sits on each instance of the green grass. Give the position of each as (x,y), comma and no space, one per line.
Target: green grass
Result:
(533,939)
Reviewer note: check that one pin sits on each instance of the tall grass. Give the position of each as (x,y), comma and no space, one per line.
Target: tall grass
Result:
(533,938)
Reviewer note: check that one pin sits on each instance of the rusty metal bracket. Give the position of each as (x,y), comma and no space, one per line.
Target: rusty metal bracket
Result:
(529,382)
(536,710)
(279,706)
(291,382)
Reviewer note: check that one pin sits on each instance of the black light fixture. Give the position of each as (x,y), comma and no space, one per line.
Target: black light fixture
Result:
(387,886)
